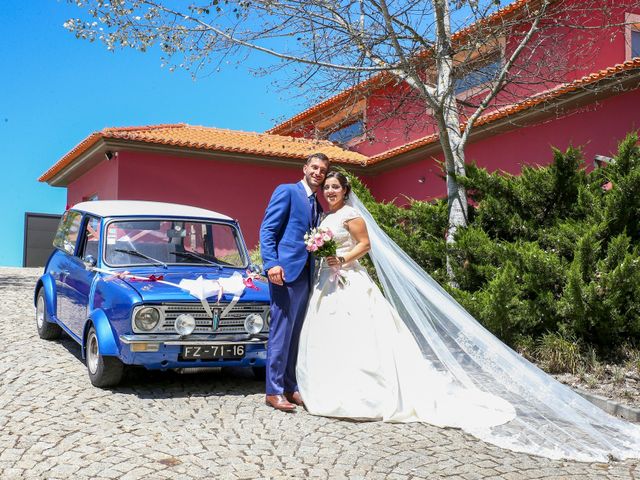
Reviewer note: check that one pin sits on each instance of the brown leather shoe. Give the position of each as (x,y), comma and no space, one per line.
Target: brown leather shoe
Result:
(279,402)
(294,397)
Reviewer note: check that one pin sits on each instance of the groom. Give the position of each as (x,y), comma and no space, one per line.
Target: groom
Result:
(292,211)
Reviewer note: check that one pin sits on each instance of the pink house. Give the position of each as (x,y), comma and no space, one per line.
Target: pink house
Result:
(590,101)
(223,170)
(592,104)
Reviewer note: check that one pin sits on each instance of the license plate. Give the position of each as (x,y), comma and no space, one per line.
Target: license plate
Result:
(213,352)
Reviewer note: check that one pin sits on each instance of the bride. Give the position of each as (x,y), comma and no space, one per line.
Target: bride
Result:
(418,356)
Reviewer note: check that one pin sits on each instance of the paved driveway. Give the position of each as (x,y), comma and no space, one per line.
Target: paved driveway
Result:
(54,424)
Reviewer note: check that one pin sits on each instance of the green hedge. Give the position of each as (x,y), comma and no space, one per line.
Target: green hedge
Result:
(551,251)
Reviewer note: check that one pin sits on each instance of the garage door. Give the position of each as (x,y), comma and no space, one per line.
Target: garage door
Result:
(39,229)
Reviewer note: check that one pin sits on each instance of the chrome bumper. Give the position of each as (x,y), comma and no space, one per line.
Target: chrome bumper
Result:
(193,340)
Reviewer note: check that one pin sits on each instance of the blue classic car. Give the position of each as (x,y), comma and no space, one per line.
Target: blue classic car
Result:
(153,284)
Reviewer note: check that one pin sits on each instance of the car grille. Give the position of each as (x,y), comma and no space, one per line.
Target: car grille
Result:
(233,322)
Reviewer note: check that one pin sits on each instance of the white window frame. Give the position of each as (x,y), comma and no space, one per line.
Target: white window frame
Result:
(631,24)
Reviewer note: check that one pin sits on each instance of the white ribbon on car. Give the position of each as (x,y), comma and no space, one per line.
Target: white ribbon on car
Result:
(200,288)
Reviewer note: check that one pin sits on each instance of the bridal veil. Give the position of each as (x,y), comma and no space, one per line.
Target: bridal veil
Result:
(551,419)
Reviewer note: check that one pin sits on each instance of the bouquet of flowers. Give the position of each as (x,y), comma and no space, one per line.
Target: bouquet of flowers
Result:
(320,242)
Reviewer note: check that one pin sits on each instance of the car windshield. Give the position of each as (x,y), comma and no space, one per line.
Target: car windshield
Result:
(171,241)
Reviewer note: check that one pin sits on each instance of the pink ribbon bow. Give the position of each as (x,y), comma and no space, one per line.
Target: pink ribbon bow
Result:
(337,276)
(248,282)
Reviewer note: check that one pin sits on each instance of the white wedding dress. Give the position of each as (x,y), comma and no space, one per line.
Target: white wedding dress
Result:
(417,355)
(357,359)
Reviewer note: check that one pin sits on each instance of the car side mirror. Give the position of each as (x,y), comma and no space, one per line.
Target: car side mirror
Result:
(253,268)
(89,262)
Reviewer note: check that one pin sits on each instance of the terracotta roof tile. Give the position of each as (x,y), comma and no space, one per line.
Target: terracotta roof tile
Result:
(214,140)
(531,102)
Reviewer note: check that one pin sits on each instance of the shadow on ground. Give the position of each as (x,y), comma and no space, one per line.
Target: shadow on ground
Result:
(204,382)
(11,281)
(233,381)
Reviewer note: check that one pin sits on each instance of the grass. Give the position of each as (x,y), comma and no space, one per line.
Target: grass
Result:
(555,354)
(558,354)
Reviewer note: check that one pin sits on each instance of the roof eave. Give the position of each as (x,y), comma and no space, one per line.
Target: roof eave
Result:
(76,166)
(550,108)
(95,154)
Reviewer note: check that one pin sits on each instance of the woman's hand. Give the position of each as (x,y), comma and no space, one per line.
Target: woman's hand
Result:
(334,261)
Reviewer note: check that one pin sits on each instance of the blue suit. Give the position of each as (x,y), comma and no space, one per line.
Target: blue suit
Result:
(287,218)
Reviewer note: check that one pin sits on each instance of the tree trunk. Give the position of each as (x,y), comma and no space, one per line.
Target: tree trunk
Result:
(453,150)
(448,119)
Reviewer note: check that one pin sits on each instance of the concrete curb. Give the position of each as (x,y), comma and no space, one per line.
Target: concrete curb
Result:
(614,408)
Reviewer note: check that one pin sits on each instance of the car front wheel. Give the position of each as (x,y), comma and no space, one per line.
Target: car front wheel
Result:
(46,329)
(103,371)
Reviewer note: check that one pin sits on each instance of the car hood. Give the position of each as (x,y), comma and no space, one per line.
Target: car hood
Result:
(163,287)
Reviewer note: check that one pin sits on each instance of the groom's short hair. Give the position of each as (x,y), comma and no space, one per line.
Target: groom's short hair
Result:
(319,156)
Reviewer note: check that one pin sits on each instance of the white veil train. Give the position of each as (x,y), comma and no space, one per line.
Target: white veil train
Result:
(551,419)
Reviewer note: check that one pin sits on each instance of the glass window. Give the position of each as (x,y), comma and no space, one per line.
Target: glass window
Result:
(347,133)
(148,242)
(478,76)
(635,43)
(67,234)
(91,238)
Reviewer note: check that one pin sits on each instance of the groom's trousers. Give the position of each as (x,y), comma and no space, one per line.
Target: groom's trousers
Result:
(288,309)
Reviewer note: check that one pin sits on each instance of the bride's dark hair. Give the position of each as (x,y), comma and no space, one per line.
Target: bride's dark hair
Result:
(342,179)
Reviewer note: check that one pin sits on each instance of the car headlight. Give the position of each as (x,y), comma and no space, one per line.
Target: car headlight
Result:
(147,318)
(253,323)
(185,324)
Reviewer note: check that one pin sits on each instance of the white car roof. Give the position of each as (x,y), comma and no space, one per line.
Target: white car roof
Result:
(121,208)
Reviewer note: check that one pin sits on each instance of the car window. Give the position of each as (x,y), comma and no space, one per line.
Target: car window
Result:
(67,233)
(170,241)
(225,245)
(91,238)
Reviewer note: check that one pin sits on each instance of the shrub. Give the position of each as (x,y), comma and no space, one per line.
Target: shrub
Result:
(549,257)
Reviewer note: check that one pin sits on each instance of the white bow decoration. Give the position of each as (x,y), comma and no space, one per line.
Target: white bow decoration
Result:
(202,288)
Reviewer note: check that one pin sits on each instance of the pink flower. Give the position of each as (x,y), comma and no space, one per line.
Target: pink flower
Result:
(313,247)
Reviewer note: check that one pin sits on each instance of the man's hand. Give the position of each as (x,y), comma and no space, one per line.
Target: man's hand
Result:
(276,275)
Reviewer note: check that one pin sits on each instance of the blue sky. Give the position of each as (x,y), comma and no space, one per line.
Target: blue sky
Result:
(56,90)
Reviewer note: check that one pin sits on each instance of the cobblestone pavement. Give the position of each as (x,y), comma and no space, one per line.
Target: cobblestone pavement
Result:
(54,424)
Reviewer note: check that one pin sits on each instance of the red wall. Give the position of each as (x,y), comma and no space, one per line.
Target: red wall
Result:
(597,128)
(239,190)
(101,180)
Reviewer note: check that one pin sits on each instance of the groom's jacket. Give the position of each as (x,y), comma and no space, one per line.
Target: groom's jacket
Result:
(287,218)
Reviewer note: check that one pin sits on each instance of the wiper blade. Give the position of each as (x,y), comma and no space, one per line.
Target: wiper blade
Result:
(140,254)
(194,255)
